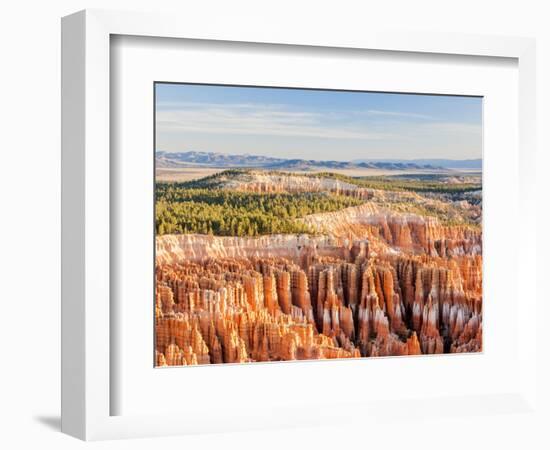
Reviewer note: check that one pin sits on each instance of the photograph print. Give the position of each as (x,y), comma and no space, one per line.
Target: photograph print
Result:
(307,224)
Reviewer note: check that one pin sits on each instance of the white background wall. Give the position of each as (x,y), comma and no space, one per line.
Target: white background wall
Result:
(30,193)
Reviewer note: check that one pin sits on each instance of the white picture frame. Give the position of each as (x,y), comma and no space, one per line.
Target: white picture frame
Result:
(87,386)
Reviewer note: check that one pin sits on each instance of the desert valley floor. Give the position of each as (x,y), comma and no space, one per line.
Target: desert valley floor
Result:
(267,265)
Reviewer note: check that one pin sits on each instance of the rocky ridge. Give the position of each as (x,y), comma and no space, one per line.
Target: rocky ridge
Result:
(263,182)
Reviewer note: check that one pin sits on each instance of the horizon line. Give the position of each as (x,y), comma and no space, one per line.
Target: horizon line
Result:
(306,159)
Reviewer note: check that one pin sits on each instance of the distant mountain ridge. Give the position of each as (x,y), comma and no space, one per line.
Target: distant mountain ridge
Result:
(446,163)
(211,159)
(220,160)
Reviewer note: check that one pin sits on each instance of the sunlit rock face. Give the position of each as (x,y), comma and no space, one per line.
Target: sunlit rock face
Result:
(196,247)
(403,232)
(397,291)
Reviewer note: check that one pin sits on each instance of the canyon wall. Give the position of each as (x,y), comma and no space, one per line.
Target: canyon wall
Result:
(199,247)
(265,182)
(389,231)
(386,231)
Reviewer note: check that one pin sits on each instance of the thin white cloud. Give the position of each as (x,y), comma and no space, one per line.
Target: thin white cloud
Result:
(177,105)
(376,112)
(258,120)
(449,129)
(326,133)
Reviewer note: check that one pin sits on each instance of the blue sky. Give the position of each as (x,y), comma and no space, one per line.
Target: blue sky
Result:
(316,124)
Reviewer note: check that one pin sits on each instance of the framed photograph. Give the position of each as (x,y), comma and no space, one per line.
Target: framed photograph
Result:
(250,217)
(371,250)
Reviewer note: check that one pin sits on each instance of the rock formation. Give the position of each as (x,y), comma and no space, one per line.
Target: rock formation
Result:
(352,304)
(380,279)
(406,232)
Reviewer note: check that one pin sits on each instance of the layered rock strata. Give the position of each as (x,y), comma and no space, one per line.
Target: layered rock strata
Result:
(405,232)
